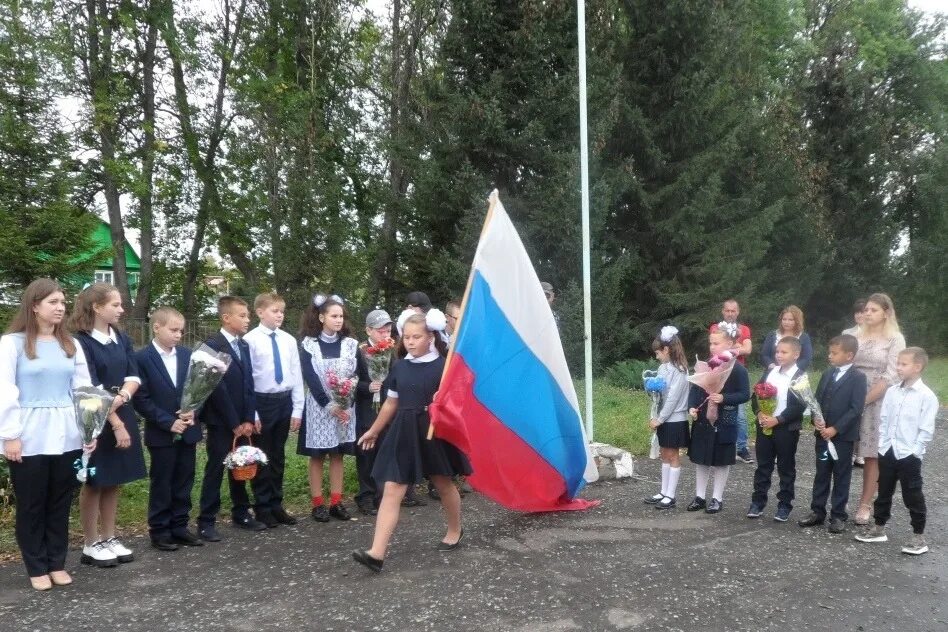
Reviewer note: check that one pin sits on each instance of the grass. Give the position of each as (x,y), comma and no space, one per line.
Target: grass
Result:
(620,419)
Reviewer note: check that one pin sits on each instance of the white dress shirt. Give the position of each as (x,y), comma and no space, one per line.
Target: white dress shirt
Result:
(841,371)
(112,339)
(780,378)
(170,360)
(261,357)
(907,419)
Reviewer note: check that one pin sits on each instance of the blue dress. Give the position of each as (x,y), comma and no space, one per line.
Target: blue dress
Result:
(406,455)
(109,365)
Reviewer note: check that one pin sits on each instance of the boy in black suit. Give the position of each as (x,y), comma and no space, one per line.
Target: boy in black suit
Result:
(228,413)
(842,396)
(780,445)
(169,436)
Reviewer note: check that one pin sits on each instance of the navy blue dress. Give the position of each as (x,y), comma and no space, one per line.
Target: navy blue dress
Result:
(109,365)
(716,444)
(406,455)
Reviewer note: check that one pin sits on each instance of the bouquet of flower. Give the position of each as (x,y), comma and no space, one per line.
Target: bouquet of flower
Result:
(342,392)
(205,372)
(243,461)
(654,386)
(711,376)
(379,356)
(767,401)
(801,388)
(92,406)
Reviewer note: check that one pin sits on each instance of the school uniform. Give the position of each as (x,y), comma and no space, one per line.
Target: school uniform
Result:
(36,407)
(907,426)
(112,363)
(278,391)
(842,397)
(780,446)
(673,410)
(715,444)
(172,456)
(231,404)
(369,494)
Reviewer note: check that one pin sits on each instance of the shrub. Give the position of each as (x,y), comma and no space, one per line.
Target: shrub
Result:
(628,373)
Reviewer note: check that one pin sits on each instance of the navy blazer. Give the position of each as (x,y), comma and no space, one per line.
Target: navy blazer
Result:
(843,401)
(792,415)
(232,402)
(769,349)
(158,399)
(736,391)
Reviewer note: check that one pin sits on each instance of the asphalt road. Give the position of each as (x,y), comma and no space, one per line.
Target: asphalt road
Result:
(622,566)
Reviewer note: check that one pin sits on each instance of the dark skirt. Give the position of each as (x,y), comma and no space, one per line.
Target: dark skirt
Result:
(707,448)
(114,466)
(342,448)
(407,456)
(673,434)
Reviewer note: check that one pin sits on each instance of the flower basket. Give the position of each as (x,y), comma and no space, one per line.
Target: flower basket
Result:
(244,461)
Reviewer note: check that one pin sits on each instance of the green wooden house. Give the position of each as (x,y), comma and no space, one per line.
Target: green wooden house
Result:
(102,243)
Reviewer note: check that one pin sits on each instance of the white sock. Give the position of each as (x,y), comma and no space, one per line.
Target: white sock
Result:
(673,474)
(665,468)
(702,473)
(720,480)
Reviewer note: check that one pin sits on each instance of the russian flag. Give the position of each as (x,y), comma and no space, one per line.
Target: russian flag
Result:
(506,399)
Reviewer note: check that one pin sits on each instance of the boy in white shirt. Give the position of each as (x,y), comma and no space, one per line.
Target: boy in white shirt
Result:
(907,425)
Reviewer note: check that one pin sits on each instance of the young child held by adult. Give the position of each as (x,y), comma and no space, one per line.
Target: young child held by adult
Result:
(907,426)
(778,434)
(671,425)
(170,436)
(406,455)
(842,397)
(278,393)
(713,447)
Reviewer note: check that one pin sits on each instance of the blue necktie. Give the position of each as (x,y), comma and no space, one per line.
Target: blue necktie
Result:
(235,343)
(277,364)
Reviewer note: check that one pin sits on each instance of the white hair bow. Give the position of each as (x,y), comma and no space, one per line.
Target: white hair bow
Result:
(320,299)
(667,333)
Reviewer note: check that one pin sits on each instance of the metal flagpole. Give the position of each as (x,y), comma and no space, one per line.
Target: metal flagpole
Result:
(584,181)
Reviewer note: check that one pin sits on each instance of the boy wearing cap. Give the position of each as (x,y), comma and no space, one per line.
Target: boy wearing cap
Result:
(378,327)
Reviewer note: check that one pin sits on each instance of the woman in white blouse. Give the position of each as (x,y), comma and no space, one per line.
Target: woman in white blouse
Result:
(40,364)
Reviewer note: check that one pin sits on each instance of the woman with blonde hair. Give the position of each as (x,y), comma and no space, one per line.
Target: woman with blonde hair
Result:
(790,324)
(880,342)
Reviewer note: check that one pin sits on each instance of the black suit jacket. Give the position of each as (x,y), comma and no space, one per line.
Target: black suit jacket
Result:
(792,415)
(843,401)
(158,399)
(232,402)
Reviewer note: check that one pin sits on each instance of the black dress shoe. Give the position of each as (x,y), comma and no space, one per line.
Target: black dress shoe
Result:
(339,512)
(363,557)
(209,534)
(282,517)
(812,519)
(164,544)
(186,538)
(444,546)
(366,509)
(268,519)
(249,523)
(837,526)
(714,506)
(433,493)
(697,504)
(413,501)
(320,514)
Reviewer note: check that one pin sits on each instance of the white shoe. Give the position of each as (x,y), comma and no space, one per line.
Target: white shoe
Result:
(122,553)
(98,554)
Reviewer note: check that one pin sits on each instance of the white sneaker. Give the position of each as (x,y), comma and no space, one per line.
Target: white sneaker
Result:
(122,554)
(916,546)
(98,554)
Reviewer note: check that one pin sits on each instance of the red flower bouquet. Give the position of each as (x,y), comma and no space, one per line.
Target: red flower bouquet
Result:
(379,358)
(767,401)
(342,392)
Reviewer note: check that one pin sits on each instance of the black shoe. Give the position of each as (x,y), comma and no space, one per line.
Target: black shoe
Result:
(413,502)
(164,544)
(783,513)
(714,506)
(754,511)
(812,519)
(433,493)
(697,504)
(339,512)
(837,526)
(666,503)
(745,456)
(444,546)
(268,519)
(249,523)
(283,517)
(363,557)
(209,534)
(186,538)
(654,500)
(366,509)
(320,514)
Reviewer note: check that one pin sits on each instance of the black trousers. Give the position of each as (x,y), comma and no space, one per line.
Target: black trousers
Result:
(369,493)
(219,443)
(274,410)
(838,472)
(779,448)
(44,485)
(906,472)
(169,493)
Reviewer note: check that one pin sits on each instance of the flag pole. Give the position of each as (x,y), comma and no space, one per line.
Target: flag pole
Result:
(584,181)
